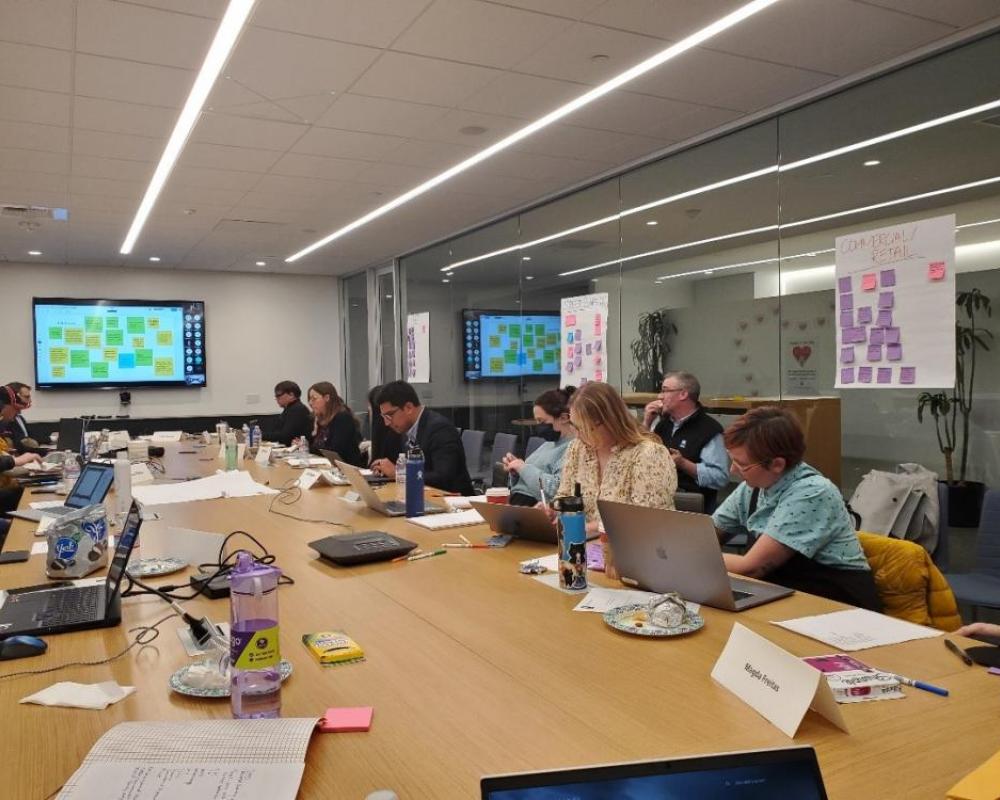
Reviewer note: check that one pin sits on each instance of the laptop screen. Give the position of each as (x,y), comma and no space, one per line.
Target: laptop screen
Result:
(792,774)
(70,434)
(92,486)
(126,540)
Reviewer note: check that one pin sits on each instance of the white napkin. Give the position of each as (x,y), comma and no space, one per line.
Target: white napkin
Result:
(97,696)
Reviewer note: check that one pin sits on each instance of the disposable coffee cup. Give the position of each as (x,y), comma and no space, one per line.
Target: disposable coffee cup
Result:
(499,494)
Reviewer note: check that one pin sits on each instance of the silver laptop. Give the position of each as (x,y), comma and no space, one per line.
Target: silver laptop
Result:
(391,508)
(524,522)
(676,551)
(91,487)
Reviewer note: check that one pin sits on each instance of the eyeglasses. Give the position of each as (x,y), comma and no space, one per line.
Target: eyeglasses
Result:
(664,390)
(744,469)
(387,416)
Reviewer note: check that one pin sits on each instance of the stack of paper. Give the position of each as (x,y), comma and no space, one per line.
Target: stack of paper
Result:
(857,629)
(438,522)
(222,484)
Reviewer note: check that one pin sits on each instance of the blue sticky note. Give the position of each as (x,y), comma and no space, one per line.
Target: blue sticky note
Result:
(126,361)
(864,315)
(846,302)
(887,277)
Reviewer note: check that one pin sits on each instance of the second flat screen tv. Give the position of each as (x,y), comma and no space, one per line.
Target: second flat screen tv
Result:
(509,344)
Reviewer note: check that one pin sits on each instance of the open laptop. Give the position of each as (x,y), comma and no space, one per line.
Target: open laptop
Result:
(333,456)
(391,508)
(757,775)
(63,607)
(676,551)
(90,488)
(524,522)
(71,434)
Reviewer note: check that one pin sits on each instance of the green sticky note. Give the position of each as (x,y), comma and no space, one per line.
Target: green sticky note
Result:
(114,337)
(111,322)
(494,341)
(552,339)
(537,365)
(55,333)
(549,356)
(496,365)
(539,330)
(529,340)
(510,356)
(136,324)
(144,358)
(515,330)
(79,359)
(99,369)
(93,324)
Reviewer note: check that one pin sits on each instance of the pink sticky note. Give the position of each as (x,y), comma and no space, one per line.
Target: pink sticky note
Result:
(847,355)
(598,375)
(868,282)
(935,270)
(847,375)
(846,302)
(570,320)
(864,315)
(887,277)
(874,352)
(884,375)
(345,720)
(894,352)
(892,335)
(908,375)
(864,374)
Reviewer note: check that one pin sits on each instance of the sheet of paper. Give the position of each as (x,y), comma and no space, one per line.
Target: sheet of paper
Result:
(452,519)
(39,548)
(857,629)
(551,562)
(222,484)
(599,599)
(41,504)
(460,502)
(191,546)
(166,436)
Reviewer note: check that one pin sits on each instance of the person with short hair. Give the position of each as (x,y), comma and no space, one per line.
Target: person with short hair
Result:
(693,438)
(10,492)
(545,465)
(335,427)
(17,429)
(295,420)
(438,439)
(385,443)
(613,457)
(803,536)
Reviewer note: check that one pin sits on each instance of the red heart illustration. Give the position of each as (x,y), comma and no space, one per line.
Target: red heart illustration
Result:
(801,353)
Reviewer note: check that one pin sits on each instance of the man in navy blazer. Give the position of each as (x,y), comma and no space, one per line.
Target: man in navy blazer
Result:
(444,456)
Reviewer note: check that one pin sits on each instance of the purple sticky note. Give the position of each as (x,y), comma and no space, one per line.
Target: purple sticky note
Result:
(864,315)
(578,348)
(877,336)
(864,374)
(874,352)
(887,277)
(589,348)
(892,335)
(844,284)
(884,319)
(859,336)
(847,355)
(908,375)
(579,334)
(886,300)
(847,375)
(884,375)
(846,319)
(894,352)
(846,302)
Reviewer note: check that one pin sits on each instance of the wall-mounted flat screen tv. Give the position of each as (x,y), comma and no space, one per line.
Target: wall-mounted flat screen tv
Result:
(104,344)
(509,344)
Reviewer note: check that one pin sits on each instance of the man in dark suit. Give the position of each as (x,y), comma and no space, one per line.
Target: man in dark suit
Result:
(444,456)
(295,419)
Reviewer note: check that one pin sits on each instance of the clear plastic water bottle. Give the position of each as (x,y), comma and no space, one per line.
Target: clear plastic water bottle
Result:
(246,433)
(415,482)
(71,470)
(401,478)
(254,652)
(255,436)
(123,486)
(303,447)
(231,452)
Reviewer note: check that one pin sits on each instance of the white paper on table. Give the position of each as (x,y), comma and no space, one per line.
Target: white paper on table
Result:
(599,600)
(39,548)
(235,483)
(166,436)
(43,504)
(95,696)
(301,462)
(263,456)
(857,629)
(551,563)
(459,502)
(41,466)
(140,474)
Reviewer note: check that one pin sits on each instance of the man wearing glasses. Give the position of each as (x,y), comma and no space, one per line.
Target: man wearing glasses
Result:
(444,456)
(295,419)
(17,429)
(693,438)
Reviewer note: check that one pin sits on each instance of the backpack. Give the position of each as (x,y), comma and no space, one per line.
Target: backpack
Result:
(901,504)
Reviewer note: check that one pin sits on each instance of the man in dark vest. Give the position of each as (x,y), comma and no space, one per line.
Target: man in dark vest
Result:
(692,436)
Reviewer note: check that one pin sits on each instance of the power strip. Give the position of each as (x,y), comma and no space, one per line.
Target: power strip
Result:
(214,588)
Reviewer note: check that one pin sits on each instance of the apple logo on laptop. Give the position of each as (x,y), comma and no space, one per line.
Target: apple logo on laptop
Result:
(661,552)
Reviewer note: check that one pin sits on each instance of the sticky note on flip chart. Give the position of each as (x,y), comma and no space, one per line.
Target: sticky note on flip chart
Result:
(884,319)
(908,375)
(868,282)
(884,375)
(847,355)
(846,302)
(846,319)
(887,277)
(163,367)
(874,352)
(892,335)
(864,374)
(847,375)
(935,270)
(877,336)
(570,320)
(844,285)
(894,352)
(864,315)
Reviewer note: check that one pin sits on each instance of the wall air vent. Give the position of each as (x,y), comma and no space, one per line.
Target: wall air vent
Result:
(32,213)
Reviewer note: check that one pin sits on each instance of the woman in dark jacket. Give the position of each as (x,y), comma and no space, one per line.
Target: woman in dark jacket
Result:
(335,427)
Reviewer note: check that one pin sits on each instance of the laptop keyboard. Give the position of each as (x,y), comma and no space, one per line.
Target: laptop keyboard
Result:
(78,604)
(737,596)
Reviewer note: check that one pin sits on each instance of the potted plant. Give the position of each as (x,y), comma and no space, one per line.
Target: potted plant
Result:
(650,349)
(965,497)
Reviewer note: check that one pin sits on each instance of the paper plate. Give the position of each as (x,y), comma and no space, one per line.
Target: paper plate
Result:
(178,682)
(634,619)
(149,567)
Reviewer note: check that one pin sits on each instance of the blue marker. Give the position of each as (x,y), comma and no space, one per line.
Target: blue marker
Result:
(921,685)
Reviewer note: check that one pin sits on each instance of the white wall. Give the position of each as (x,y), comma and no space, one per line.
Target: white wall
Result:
(259,329)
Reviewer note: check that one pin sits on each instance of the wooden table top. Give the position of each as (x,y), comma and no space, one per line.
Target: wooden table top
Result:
(474,669)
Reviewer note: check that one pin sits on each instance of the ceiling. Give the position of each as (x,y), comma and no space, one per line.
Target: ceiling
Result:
(329,108)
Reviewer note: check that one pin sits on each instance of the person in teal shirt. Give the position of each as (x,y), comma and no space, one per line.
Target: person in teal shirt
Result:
(802,534)
(545,464)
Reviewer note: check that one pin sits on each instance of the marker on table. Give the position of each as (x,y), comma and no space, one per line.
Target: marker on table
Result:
(406,556)
(440,552)
(541,489)
(464,539)
(958,651)
(921,685)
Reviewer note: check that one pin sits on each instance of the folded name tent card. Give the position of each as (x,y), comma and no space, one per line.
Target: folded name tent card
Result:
(324,477)
(190,546)
(774,683)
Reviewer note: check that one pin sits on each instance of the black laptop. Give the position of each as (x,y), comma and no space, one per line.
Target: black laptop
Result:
(63,607)
(71,435)
(90,488)
(790,774)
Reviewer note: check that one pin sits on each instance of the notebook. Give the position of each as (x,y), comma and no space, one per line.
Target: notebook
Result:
(456,519)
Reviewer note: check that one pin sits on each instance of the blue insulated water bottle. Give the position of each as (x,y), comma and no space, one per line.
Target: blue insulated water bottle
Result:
(415,482)
(572,528)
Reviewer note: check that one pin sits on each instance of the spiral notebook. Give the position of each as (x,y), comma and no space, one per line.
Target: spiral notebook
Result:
(456,519)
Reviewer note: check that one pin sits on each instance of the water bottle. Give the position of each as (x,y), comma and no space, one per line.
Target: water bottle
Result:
(304,447)
(415,482)
(246,434)
(255,436)
(401,478)
(254,653)
(572,534)
(231,451)
(71,470)
(123,486)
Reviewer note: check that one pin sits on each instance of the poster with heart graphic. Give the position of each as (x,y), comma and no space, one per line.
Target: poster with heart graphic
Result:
(895,316)
(800,366)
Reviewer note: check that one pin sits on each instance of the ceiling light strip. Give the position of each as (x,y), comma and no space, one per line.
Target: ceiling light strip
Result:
(585,99)
(707,270)
(225,40)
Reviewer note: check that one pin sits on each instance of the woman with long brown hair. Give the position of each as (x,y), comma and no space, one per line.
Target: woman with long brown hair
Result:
(335,427)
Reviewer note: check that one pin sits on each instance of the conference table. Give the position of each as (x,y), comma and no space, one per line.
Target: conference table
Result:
(473,668)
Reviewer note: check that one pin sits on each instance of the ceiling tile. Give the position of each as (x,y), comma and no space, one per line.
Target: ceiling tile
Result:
(535,166)
(398,176)
(123,204)
(627,112)
(423,80)
(38,188)
(29,105)
(212,9)
(696,121)
(569,141)
(449,128)
(117,145)
(572,9)
(289,68)
(354,112)
(197,196)
(217,178)
(438,155)
(128,81)
(105,187)
(479,33)
(33,161)
(228,93)
(91,113)
(346,144)
(667,19)
(137,33)
(524,96)
(216,128)
(48,23)
(36,67)
(95,167)
(29,136)
(307,166)
(265,110)
(246,159)
(370,22)
(954,12)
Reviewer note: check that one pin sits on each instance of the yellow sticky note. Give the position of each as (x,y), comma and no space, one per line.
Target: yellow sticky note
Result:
(163,367)
(138,342)
(110,353)
(74,336)
(58,355)
(164,338)
(153,322)
(93,340)
(58,372)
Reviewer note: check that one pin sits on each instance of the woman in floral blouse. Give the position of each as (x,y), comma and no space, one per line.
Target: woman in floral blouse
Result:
(613,456)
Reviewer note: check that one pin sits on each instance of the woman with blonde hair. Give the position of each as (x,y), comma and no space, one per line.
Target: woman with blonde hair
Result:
(335,428)
(613,457)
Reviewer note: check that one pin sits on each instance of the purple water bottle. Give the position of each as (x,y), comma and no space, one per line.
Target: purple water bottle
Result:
(254,653)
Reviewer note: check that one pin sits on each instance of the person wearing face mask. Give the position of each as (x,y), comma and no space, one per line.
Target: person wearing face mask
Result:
(545,464)
(802,534)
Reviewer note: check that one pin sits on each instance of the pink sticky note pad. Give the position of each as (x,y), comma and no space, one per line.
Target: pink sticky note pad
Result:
(935,270)
(345,720)
(570,320)
(868,282)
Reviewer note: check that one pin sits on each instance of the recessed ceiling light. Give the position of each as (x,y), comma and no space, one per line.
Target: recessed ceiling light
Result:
(473,130)
(873,162)
(154,258)
(652,222)
(445,280)
(448,274)
(261,263)
(222,46)
(34,252)
(657,59)
(388,297)
(526,258)
(529,277)
(600,58)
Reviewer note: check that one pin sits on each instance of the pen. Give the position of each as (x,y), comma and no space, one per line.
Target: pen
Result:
(958,651)
(463,545)
(440,552)
(541,489)
(921,685)
(464,539)
(405,556)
